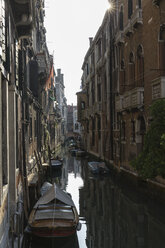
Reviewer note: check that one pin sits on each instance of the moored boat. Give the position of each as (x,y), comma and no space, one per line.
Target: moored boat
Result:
(73,152)
(98,167)
(56,164)
(80,153)
(54,214)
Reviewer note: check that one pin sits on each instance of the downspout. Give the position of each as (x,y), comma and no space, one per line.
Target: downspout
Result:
(111,87)
(24,172)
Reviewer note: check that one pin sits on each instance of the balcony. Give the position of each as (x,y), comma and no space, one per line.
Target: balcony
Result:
(158,88)
(137,18)
(22,13)
(119,103)
(120,37)
(128,30)
(133,98)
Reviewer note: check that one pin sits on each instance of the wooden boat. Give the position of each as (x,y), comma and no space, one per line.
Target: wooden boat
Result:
(73,152)
(54,214)
(56,164)
(98,167)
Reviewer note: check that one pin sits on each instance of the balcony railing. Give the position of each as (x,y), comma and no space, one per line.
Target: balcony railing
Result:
(133,98)
(158,88)
(130,100)
(137,18)
(22,13)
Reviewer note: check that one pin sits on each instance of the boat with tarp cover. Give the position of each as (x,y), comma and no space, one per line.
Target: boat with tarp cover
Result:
(54,214)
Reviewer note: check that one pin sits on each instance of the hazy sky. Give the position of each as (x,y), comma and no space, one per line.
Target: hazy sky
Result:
(69,24)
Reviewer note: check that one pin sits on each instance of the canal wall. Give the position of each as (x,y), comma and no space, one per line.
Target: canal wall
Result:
(155,189)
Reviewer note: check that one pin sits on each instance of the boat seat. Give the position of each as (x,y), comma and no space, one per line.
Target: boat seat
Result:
(54,214)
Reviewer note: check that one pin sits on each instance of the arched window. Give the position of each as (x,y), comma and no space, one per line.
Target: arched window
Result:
(130,8)
(99,127)
(93,91)
(93,131)
(121,18)
(131,69)
(162,50)
(122,76)
(133,131)
(122,65)
(140,66)
(82,105)
(123,130)
(87,125)
(139,4)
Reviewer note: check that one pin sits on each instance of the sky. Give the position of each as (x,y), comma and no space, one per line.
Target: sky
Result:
(69,24)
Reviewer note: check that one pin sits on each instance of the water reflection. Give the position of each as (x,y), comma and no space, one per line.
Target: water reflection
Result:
(112,215)
(55,243)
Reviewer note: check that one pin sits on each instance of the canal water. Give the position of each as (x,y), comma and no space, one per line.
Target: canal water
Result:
(112,214)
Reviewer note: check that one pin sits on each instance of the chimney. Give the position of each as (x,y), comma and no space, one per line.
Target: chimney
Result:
(90,40)
(58,72)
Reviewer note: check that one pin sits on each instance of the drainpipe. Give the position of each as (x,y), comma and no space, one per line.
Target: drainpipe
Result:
(24,172)
(111,86)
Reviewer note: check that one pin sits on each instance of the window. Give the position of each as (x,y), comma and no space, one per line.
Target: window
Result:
(87,126)
(105,86)
(122,76)
(133,130)
(122,65)
(87,69)
(76,126)
(99,92)
(140,66)
(99,88)
(87,96)
(99,49)
(123,130)
(99,127)
(139,4)
(130,8)
(82,105)
(121,18)
(131,70)
(93,132)
(93,91)
(162,50)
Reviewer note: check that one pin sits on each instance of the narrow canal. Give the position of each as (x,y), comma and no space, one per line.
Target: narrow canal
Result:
(112,215)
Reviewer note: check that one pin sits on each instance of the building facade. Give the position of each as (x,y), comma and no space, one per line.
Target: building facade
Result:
(27,93)
(94,99)
(61,102)
(123,73)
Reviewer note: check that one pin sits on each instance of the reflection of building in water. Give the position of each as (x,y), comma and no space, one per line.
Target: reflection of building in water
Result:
(64,177)
(117,218)
(70,165)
